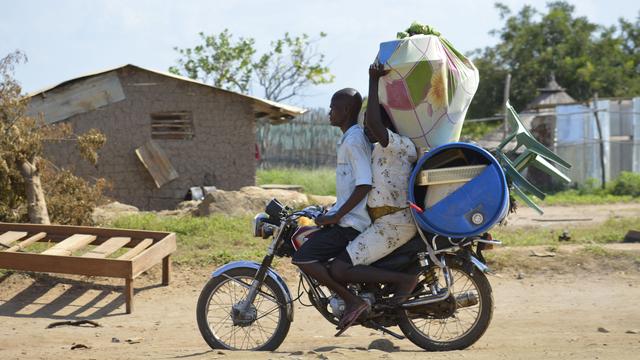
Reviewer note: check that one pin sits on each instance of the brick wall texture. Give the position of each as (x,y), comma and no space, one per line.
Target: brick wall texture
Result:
(220,154)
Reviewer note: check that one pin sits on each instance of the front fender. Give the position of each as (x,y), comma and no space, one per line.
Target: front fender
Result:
(270,273)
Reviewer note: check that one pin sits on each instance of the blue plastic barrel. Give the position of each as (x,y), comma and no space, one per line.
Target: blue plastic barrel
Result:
(473,208)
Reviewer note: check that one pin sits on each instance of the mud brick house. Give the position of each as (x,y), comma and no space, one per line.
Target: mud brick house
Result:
(165,133)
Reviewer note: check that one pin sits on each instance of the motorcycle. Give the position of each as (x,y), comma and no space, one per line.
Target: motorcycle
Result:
(248,306)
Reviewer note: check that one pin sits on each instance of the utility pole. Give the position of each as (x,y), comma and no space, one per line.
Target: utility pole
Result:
(600,139)
(507,89)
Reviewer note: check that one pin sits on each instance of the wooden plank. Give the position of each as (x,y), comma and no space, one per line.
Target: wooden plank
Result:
(136,250)
(70,244)
(166,270)
(156,162)
(81,96)
(10,237)
(172,133)
(65,264)
(154,254)
(28,241)
(68,230)
(107,248)
(128,295)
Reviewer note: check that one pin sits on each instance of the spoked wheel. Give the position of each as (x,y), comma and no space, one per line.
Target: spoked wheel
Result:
(227,322)
(456,323)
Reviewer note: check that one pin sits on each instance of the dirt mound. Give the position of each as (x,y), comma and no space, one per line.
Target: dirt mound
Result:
(106,213)
(248,200)
(325,201)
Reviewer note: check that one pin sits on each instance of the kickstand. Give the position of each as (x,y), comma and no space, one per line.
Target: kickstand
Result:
(374,325)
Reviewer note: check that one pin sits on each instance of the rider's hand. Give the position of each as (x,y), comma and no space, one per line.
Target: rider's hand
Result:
(376,71)
(324,220)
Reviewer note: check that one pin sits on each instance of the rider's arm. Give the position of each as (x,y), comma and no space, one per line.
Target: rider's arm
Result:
(374,119)
(358,194)
(358,155)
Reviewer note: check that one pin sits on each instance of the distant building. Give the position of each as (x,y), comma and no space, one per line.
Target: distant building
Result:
(165,133)
(578,142)
(569,128)
(540,118)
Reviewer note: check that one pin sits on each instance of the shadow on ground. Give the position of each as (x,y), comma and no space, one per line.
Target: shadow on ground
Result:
(54,297)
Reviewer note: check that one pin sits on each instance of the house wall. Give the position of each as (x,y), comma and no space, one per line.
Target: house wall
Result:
(221,152)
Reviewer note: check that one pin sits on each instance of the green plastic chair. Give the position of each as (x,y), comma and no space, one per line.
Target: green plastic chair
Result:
(526,199)
(531,158)
(517,178)
(524,138)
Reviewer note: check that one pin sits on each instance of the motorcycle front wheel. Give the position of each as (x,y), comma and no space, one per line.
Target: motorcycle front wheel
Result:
(464,326)
(263,326)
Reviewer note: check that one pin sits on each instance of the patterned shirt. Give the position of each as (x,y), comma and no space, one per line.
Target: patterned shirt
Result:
(353,169)
(391,167)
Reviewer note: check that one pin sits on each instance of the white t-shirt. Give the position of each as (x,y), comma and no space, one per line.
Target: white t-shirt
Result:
(353,169)
(391,168)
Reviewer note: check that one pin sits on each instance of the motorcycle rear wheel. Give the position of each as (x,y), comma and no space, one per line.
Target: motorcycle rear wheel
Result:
(215,320)
(464,327)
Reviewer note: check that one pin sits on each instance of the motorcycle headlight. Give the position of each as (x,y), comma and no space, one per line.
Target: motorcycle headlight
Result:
(258,222)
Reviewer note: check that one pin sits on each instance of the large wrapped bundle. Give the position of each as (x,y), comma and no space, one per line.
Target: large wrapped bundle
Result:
(429,88)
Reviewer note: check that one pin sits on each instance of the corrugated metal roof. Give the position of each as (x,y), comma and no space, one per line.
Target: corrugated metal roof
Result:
(276,112)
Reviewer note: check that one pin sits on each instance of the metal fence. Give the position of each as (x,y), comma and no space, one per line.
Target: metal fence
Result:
(578,141)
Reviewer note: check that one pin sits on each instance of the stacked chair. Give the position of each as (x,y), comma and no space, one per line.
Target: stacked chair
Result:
(534,154)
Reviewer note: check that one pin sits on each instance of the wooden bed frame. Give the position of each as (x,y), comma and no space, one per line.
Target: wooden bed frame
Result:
(147,248)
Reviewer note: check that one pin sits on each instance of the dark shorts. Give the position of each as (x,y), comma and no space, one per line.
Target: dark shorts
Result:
(324,244)
(344,257)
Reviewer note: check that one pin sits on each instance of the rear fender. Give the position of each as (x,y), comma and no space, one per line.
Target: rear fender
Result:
(270,273)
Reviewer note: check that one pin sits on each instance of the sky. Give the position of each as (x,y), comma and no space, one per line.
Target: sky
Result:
(64,39)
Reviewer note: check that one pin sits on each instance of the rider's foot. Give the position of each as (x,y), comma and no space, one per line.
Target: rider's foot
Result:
(350,317)
(350,308)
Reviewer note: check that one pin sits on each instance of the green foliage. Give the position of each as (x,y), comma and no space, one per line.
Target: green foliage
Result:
(71,199)
(215,239)
(575,197)
(219,239)
(626,188)
(290,66)
(417,28)
(89,143)
(22,163)
(218,60)
(477,130)
(321,181)
(283,72)
(628,183)
(585,57)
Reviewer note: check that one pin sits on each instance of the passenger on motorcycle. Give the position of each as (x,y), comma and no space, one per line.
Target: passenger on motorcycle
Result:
(392,162)
(348,217)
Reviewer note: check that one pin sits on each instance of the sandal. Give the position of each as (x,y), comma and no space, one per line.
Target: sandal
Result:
(350,318)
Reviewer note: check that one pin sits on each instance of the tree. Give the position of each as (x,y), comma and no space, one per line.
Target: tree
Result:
(585,57)
(292,64)
(21,147)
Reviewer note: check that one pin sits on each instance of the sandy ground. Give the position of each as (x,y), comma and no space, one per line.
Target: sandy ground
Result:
(539,316)
(576,313)
(556,216)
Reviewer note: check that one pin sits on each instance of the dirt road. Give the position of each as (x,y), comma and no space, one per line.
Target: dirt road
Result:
(537,317)
(555,216)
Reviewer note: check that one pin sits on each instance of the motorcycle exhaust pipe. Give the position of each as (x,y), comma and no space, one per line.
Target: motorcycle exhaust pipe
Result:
(462,300)
(466,299)
(427,300)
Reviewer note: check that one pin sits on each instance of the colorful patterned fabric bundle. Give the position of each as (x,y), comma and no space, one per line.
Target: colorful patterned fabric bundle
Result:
(429,89)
